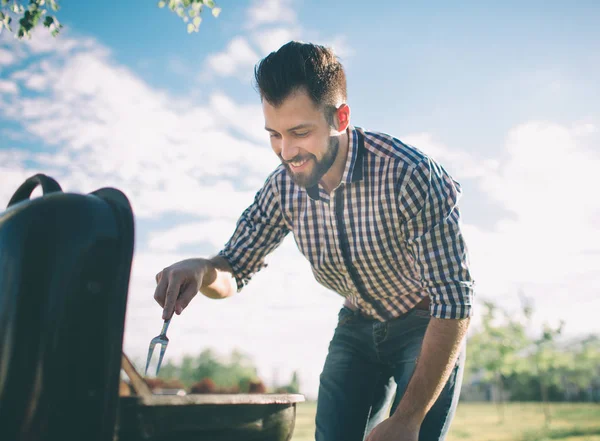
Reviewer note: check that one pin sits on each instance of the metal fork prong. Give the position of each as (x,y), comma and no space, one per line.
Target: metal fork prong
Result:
(150,352)
(161,339)
(163,348)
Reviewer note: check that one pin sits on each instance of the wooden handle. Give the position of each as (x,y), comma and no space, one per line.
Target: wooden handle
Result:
(139,385)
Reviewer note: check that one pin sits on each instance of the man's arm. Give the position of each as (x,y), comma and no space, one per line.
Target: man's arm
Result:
(179,283)
(218,281)
(441,346)
(434,240)
(260,229)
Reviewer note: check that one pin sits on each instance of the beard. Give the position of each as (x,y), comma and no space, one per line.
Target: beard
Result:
(319,167)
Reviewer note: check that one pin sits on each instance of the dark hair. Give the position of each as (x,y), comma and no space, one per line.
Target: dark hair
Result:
(298,65)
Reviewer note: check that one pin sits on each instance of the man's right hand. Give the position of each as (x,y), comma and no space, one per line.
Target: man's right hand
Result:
(178,284)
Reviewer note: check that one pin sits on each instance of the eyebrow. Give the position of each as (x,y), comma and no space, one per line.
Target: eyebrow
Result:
(298,127)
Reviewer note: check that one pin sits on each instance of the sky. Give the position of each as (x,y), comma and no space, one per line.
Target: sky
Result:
(505,95)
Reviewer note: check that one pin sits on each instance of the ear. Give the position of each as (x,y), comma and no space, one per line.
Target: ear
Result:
(342,115)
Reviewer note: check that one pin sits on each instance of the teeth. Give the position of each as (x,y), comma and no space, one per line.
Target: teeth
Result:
(298,164)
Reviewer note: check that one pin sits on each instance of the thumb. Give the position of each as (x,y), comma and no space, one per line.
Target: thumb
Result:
(186,297)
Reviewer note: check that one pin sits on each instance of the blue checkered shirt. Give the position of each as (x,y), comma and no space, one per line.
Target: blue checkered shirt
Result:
(385,238)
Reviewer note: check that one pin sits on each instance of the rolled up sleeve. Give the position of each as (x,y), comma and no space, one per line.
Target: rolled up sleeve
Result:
(432,233)
(259,231)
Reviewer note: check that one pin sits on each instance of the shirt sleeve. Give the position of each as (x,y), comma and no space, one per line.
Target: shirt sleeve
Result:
(259,231)
(432,233)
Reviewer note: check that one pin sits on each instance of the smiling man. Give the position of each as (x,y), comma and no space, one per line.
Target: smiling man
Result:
(379,223)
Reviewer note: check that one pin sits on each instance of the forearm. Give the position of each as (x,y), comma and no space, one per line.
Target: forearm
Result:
(218,281)
(439,352)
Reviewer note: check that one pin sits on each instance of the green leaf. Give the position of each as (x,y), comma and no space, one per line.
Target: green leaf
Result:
(162,4)
(197,21)
(216,12)
(192,13)
(209,3)
(190,28)
(48,21)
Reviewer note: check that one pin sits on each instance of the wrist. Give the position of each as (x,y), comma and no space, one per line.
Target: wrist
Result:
(206,272)
(408,419)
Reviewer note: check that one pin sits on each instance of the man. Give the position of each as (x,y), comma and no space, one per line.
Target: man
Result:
(378,221)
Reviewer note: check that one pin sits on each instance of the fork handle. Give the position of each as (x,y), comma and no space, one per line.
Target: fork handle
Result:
(165,327)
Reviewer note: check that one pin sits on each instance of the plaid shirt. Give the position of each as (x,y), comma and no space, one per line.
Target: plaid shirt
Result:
(385,238)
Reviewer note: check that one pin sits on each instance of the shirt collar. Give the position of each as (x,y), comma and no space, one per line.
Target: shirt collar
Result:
(353,171)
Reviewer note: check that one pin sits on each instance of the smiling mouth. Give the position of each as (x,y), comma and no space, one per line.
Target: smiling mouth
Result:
(294,165)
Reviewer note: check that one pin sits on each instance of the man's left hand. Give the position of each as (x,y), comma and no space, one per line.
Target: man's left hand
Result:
(394,430)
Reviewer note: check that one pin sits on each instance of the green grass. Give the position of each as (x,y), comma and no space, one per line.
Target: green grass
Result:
(481,422)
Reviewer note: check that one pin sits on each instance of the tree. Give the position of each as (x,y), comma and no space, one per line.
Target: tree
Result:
(31,13)
(548,363)
(293,387)
(585,368)
(226,373)
(295,383)
(495,348)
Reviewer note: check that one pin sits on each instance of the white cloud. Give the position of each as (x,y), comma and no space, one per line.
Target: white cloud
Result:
(247,119)
(270,12)
(269,40)
(552,240)
(546,182)
(340,47)
(458,162)
(12,172)
(237,57)
(216,232)
(6,57)
(272,23)
(8,87)
(108,126)
(42,43)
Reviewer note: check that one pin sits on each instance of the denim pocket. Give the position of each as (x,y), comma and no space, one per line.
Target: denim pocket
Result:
(345,315)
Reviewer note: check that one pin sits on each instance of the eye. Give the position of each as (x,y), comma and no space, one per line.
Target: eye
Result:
(302,134)
(273,135)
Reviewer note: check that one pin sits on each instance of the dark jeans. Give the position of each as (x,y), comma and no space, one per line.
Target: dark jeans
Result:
(368,367)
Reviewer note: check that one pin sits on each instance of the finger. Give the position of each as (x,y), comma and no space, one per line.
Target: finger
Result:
(160,291)
(186,297)
(172,294)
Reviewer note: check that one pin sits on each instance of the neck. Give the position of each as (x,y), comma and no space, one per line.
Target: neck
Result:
(333,177)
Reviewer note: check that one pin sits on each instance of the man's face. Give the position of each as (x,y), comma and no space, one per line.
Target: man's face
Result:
(301,137)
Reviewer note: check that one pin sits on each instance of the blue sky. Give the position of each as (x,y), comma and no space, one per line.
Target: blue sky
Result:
(504,95)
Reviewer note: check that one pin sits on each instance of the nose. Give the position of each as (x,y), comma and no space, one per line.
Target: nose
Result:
(288,151)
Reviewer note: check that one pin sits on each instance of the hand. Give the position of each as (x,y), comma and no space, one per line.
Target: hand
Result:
(394,430)
(178,284)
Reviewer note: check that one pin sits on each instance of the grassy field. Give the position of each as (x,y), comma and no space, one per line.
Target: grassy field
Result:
(480,422)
